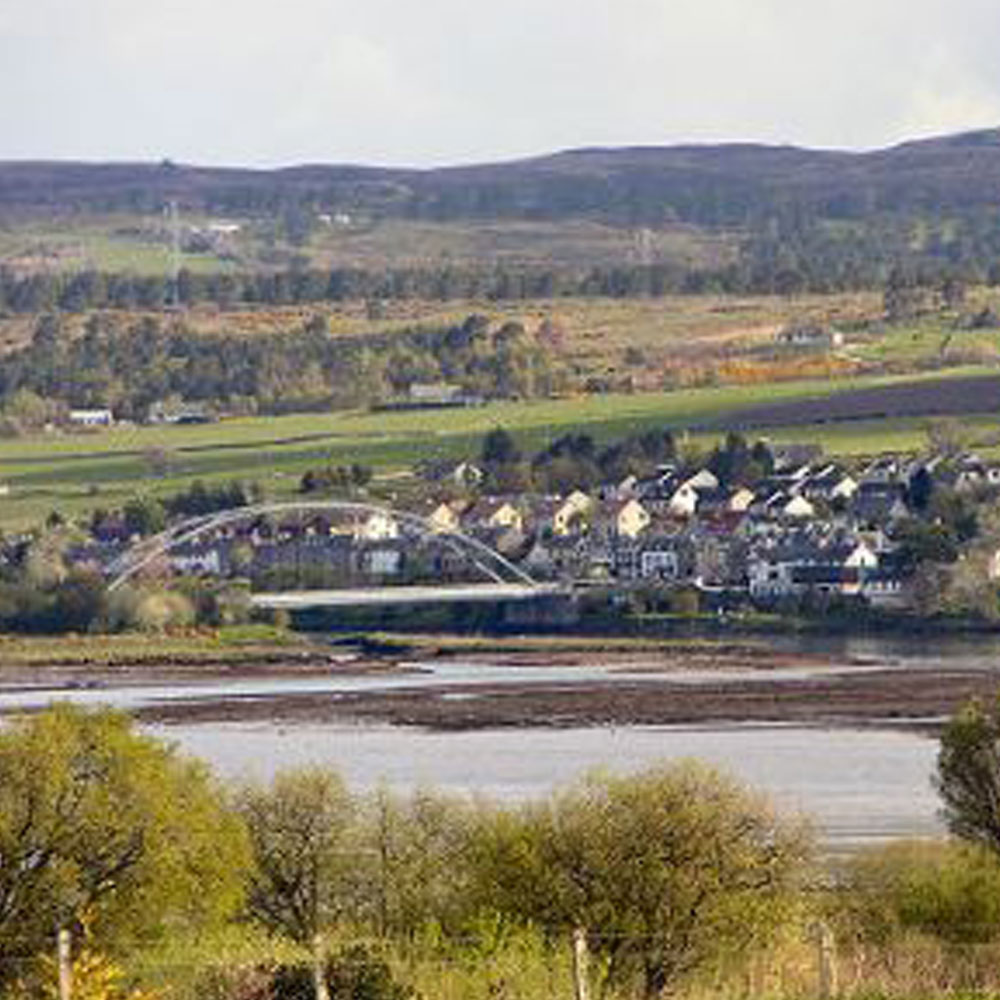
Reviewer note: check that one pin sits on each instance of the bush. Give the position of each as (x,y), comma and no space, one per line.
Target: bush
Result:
(149,610)
(948,889)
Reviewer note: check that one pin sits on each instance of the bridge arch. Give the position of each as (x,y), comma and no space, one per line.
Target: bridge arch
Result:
(486,559)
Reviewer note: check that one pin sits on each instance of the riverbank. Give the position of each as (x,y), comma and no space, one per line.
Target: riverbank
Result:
(233,653)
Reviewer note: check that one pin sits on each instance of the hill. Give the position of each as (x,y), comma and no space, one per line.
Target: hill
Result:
(709,185)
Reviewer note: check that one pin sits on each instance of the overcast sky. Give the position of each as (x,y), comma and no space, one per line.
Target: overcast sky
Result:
(422,82)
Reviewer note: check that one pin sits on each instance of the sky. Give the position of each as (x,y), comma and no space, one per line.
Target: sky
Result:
(429,82)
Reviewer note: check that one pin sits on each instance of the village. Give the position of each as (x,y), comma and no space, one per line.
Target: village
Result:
(810,529)
(809,534)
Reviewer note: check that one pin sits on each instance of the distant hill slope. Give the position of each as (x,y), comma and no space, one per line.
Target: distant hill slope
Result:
(709,185)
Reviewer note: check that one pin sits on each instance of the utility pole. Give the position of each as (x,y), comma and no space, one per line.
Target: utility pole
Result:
(64,958)
(175,255)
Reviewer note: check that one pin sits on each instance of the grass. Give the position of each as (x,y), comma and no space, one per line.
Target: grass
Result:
(448,643)
(522,963)
(113,244)
(233,644)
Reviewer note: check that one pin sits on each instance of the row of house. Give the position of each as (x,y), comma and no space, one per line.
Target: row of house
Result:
(811,527)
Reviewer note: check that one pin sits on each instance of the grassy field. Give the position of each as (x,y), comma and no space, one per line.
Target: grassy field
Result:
(135,243)
(77,473)
(114,244)
(232,644)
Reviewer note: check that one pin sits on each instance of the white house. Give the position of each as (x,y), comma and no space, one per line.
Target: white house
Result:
(91,418)
(377,526)
(684,501)
(444,517)
(703,480)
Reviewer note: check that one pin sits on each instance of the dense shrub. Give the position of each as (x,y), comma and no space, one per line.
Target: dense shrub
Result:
(948,889)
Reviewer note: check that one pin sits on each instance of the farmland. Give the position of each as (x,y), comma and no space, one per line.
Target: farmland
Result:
(74,473)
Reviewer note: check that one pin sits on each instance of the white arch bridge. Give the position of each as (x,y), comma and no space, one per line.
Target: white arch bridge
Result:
(499,579)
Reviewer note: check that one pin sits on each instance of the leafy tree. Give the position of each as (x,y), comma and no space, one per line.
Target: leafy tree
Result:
(663,869)
(26,410)
(968,773)
(499,448)
(733,463)
(952,292)
(417,855)
(144,516)
(920,489)
(149,608)
(303,834)
(356,972)
(94,977)
(79,602)
(919,543)
(103,826)
(903,297)
(955,513)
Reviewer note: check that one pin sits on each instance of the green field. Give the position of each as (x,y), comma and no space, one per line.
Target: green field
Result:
(115,244)
(74,473)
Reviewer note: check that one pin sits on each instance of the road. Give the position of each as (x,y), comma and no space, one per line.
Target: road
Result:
(296,600)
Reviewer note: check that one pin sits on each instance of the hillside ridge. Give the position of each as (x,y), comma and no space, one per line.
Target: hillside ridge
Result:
(704,183)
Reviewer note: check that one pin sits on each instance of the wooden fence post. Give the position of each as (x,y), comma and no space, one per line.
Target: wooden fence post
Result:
(580,964)
(319,973)
(826,961)
(65,960)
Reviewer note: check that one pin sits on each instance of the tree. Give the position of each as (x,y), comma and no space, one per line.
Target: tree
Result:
(732,462)
(303,836)
(952,292)
(499,448)
(968,773)
(417,849)
(920,489)
(144,516)
(903,298)
(663,869)
(103,826)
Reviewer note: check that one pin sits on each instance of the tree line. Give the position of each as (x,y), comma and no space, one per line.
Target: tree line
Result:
(129,368)
(787,261)
(575,461)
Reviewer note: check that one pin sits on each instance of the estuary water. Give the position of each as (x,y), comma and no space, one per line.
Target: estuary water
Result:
(858,785)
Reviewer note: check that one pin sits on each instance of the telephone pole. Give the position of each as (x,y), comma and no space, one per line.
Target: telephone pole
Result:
(174,221)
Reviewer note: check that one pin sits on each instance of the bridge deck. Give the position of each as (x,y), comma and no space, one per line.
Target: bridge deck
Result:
(293,600)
